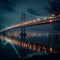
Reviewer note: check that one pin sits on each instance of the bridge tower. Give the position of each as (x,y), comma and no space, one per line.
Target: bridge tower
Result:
(23,30)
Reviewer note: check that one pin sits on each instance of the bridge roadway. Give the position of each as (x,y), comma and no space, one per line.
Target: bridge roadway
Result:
(32,23)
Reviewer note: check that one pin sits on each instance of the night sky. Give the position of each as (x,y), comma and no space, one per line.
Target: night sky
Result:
(11,10)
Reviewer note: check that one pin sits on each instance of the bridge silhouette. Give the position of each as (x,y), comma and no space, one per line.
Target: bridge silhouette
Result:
(38,21)
(34,22)
(23,25)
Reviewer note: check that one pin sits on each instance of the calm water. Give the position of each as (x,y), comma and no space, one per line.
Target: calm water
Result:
(15,47)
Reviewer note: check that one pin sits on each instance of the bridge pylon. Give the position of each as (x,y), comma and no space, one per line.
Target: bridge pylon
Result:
(23,29)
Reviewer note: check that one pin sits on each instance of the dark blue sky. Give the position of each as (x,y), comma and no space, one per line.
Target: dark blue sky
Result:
(10,11)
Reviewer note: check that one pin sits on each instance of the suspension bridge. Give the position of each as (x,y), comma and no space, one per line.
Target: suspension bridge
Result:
(32,22)
(23,25)
(38,21)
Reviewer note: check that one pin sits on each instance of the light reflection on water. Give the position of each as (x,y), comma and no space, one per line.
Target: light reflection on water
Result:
(30,46)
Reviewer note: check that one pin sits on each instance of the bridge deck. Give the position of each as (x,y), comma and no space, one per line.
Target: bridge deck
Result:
(32,23)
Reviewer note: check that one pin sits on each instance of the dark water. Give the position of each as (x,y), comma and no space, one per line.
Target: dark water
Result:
(7,51)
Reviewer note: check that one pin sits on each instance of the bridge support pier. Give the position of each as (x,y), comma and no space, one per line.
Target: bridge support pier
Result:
(23,31)
(23,34)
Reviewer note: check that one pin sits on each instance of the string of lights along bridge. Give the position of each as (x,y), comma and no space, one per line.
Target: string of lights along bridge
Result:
(38,21)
